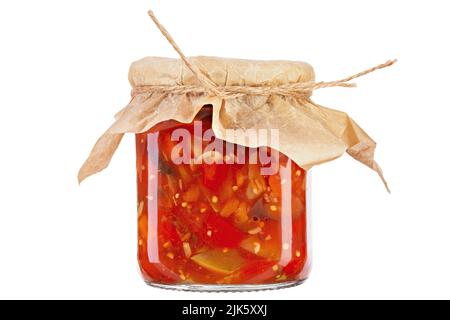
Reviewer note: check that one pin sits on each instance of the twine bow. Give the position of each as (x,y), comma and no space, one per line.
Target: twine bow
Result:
(207,86)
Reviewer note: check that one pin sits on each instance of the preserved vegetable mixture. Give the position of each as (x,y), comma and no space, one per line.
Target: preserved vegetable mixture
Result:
(217,222)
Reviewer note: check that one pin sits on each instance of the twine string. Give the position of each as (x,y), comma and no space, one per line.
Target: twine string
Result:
(207,86)
(206,82)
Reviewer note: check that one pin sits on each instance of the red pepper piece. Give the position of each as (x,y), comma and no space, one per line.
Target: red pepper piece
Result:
(294,267)
(214,175)
(169,233)
(257,272)
(221,233)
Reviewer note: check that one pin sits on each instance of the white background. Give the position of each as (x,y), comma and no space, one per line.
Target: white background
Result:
(63,75)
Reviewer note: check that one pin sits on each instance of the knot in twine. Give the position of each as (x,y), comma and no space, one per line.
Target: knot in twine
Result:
(207,86)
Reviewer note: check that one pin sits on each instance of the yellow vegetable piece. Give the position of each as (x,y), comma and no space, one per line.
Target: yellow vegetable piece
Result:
(241,215)
(268,249)
(241,176)
(219,261)
(229,208)
(226,189)
(192,194)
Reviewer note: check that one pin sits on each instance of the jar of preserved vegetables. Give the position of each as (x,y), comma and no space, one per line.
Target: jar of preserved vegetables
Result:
(224,148)
(217,222)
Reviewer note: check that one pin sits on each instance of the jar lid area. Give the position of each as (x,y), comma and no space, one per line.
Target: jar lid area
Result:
(222,71)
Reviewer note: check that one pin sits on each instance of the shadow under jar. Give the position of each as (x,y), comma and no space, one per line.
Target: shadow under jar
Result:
(213,222)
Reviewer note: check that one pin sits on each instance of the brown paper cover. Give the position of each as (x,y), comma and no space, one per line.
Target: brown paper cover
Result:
(309,134)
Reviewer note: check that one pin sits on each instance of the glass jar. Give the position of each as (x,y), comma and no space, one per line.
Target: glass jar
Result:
(214,220)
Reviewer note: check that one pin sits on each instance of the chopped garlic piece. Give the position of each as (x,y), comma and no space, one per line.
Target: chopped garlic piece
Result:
(170,255)
(257,247)
(214,199)
(254,231)
(298,254)
(187,249)
(275,268)
(209,233)
(281,277)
